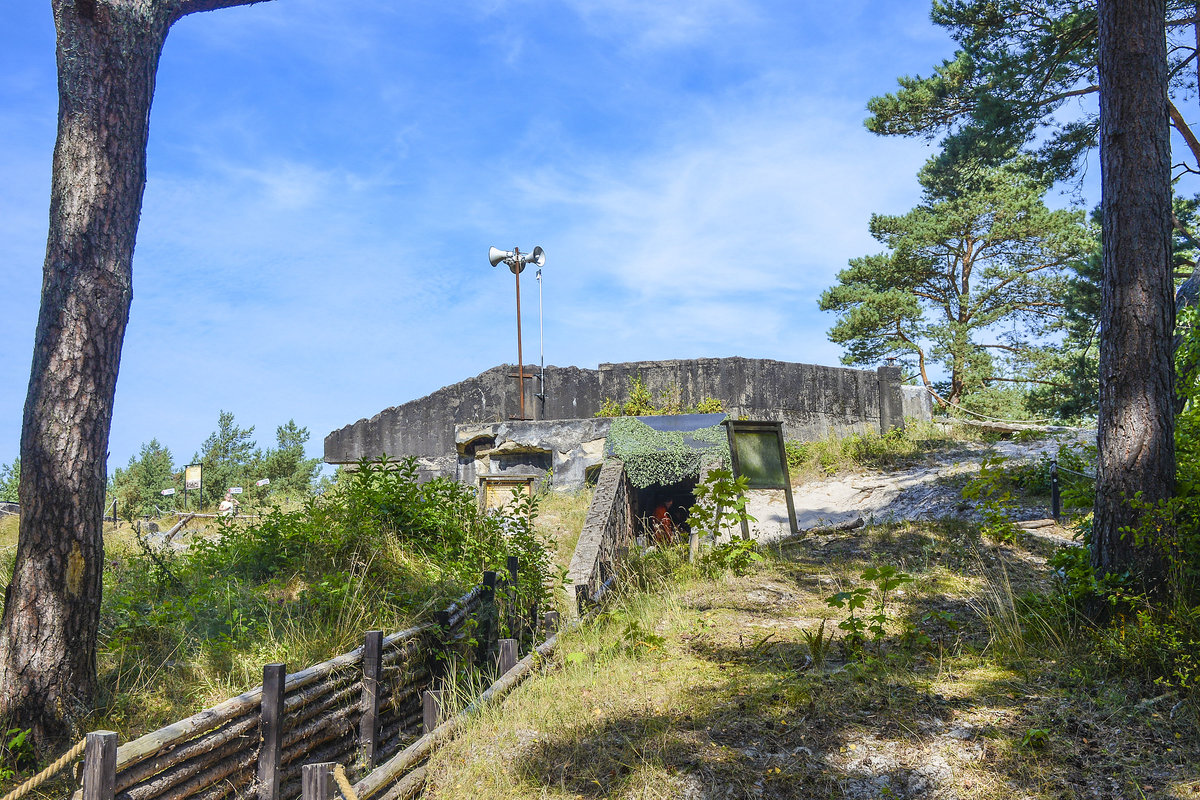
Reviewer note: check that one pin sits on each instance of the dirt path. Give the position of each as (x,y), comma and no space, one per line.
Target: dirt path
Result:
(927,491)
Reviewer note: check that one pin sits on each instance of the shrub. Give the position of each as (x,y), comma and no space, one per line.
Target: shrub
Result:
(991,489)
(641,403)
(378,550)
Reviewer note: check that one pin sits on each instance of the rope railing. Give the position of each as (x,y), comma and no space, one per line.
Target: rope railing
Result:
(48,773)
(944,401)
(339,775)
(1061,468)
(1055,489)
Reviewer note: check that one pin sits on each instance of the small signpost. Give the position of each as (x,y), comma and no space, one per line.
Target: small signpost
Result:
(263,482)
(167,492)
(193,479)
(756,449)
(235,490)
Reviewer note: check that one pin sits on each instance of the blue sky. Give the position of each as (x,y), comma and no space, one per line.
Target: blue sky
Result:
(325,180)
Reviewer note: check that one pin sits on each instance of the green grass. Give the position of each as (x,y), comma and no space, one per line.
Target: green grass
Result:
(560,519)
(698,688)
(857,451)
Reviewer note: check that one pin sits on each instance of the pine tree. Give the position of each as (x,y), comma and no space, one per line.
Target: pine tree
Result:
(970,277)
(228,458)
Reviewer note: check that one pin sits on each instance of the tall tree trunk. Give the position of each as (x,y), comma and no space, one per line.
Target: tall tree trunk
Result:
(1136,425)
(107,52)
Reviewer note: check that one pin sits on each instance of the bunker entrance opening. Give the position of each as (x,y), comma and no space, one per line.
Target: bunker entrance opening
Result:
(660,512)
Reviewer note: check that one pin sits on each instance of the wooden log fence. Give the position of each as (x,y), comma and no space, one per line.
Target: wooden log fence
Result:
(358,709)
(401,776)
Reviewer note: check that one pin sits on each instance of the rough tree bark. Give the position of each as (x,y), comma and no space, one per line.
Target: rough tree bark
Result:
(107,53)
(1136,425)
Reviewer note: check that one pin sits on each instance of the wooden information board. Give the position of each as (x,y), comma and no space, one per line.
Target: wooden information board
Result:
(756,449)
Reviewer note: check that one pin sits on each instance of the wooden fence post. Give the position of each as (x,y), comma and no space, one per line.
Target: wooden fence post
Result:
(316,781)
(431,709)
(511,615)
(1055,495)
(368,726)
(270,753)
(487,617)
(507,658)
(100,766)
(581,598)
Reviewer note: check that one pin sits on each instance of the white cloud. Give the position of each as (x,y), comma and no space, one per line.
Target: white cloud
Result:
(761,200)
(324,182)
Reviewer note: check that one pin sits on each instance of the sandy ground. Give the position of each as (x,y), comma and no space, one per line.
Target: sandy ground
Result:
(932,490)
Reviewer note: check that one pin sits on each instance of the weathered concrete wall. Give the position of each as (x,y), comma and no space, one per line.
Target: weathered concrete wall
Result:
(812,401)
(918,404)
(607,528)
(571,446)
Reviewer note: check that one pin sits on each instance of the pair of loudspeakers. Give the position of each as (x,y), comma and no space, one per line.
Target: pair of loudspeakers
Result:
(517,260)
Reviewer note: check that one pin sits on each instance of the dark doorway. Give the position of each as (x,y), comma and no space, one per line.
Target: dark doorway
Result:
(651,504)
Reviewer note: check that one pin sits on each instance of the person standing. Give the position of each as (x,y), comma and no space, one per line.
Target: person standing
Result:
(664,526)
(228,506)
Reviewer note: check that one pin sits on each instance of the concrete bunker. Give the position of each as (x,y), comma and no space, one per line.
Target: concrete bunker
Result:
(558,452)
(438,430)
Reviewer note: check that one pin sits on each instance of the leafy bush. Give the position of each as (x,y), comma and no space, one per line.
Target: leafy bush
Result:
(641,403)
(1075,464)
(734,556)
(720,505)
(378,550)
(879,584)
(991,489)
(16,753)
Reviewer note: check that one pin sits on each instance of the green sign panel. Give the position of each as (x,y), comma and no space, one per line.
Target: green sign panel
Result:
(760,458)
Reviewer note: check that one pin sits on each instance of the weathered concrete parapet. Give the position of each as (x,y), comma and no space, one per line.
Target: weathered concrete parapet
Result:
(607,529)
(891,399)
(918,404)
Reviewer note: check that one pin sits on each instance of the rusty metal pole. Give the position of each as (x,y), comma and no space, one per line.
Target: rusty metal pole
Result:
(520,359)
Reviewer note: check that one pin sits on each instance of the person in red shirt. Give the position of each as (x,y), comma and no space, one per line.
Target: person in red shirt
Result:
(664,526)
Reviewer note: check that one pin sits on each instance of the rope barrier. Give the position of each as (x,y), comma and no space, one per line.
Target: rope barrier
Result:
(985,416)
(1073,472)
(339,775)
(49,772)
